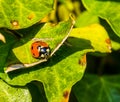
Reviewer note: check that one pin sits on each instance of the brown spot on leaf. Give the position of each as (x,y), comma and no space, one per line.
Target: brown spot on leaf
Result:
(82,61)
(66,96)
(15,23)
(45,19)
(31,16)
(108,41)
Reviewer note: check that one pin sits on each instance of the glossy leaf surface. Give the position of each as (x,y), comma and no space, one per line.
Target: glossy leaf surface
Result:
(107,9)
(18,14)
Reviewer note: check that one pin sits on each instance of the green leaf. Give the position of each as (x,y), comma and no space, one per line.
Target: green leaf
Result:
(54,36)
(18,14)
(94,88)
(115,40)
(13,94)
(62,70)
(85,19)
(37,91)
(107,9)
(63,12)
(94,35)
(58,35)
(67,66)
(58,74)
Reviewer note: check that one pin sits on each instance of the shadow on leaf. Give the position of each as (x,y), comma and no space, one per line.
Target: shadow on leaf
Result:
(65,51)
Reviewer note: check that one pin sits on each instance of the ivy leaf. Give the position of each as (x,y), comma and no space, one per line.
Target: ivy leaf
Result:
(58,74)
(37,91)
(18,14)
(54,36)
(13,94)
(102,88)
(85,19)
(107,9)
(63,69)
(95,35)
(115,40)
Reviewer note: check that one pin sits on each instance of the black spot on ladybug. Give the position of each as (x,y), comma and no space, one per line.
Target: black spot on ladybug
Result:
(32,47)
(33,54)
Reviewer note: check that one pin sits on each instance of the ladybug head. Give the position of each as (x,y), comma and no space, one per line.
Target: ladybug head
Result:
(44,52)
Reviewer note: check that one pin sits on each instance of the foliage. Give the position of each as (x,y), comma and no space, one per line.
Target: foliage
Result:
(81,36)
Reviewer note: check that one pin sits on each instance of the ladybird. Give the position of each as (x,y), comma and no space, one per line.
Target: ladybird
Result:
(40,49)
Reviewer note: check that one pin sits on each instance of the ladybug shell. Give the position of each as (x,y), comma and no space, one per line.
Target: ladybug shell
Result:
(36,53)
